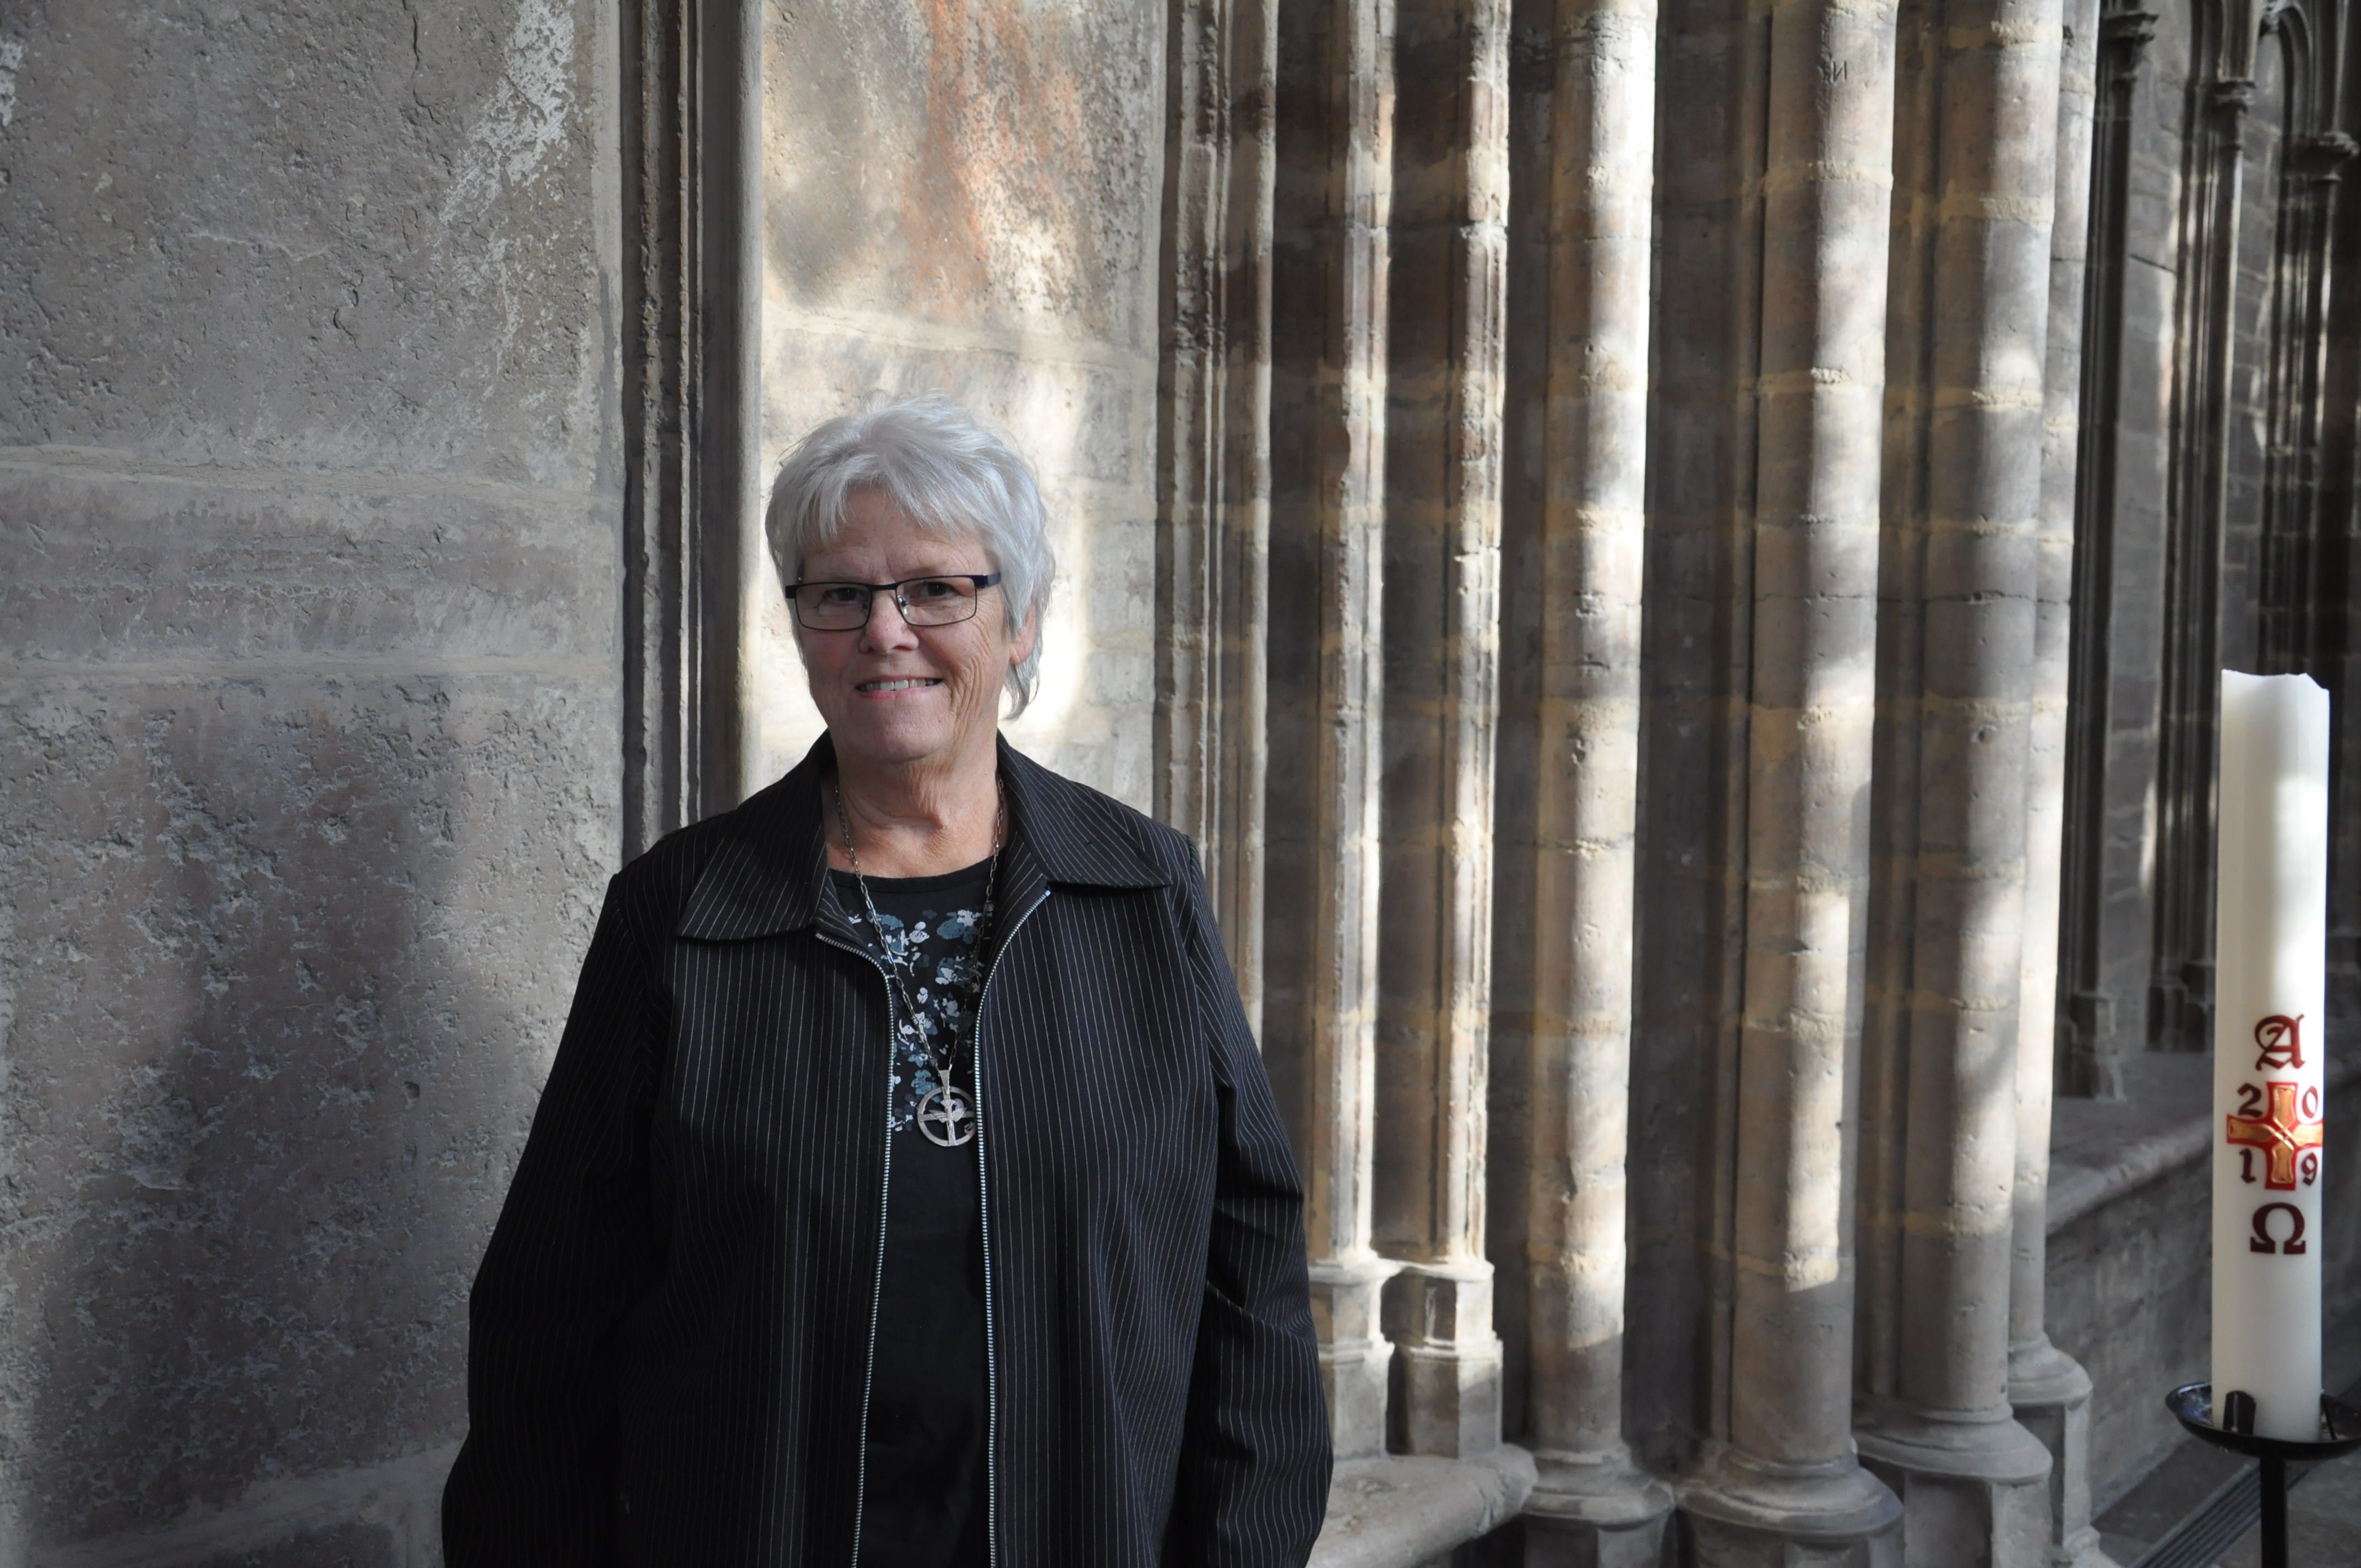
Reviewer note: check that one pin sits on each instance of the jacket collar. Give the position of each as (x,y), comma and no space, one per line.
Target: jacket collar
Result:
(768,875)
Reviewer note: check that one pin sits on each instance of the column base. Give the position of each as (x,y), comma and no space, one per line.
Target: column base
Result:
(1744,1513)
(2051,1396)
(1356,1362)
(1447,1360)
(1974,1489)
(1595,1510)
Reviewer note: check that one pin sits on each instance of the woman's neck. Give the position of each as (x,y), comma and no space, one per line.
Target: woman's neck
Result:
(909,821)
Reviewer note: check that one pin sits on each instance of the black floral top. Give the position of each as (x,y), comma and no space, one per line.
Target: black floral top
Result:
(933,938)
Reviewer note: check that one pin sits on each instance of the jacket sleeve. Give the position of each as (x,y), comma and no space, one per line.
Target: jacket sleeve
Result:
(1253,1487)
(531,1487)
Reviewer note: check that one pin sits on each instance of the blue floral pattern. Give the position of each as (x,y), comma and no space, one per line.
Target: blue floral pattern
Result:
(939,957)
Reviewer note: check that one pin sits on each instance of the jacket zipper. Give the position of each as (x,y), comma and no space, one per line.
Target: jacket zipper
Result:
(877,1279)
(984,1205)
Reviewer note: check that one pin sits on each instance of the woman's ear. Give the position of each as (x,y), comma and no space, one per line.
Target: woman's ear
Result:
(1020,647)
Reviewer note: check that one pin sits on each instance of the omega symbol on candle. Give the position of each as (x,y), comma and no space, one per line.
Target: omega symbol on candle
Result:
(2288,1135)
(2265,1242)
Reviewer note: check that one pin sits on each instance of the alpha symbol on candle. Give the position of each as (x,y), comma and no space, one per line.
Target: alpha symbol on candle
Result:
(2282,1135)
(2282,1038)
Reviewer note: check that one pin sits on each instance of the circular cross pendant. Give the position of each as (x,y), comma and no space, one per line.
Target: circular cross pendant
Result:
(944,1117)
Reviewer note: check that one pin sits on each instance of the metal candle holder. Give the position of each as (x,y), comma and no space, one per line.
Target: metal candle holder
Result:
(2340,1433)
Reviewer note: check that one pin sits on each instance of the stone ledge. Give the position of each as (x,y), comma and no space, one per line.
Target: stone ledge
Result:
(2104,1149)
(1397,1512)
(374,1516)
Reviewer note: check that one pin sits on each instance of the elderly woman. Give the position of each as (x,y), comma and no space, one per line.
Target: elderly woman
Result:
(907,1191)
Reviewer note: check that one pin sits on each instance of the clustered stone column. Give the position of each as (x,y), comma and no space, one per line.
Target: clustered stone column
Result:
(2047,1389)
(1786,1470)
(1972,1481)
(1348,406)
(1388,324)
(1591,1505)
(1443,553)
(1213,506)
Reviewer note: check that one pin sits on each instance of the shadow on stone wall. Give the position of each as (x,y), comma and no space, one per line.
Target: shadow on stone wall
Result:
(303,957)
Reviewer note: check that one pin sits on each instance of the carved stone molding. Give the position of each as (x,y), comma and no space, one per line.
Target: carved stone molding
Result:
(1213,457)
(2321,157)
(2232,97)
(691,75)
(2086,1015)
(2123,37)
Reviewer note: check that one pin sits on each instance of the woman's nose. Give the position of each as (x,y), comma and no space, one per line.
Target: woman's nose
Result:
(885,629)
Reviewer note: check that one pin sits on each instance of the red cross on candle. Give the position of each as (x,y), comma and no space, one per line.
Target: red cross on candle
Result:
(2282,1132)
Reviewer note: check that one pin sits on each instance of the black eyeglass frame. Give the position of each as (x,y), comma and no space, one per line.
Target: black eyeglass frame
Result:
(982,580)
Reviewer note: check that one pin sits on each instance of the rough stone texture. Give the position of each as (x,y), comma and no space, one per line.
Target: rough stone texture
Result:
(308,736)
(968,198)
(280,1010)
(1397,1512)
(357,239)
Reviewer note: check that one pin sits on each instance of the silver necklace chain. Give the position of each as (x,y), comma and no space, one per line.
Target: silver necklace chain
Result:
(944,1113)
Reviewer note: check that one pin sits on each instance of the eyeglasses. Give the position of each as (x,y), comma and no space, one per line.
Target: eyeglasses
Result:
(923,601)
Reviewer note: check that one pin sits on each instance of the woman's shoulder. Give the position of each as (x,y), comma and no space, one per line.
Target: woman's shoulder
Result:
(1079,822)
(758,835)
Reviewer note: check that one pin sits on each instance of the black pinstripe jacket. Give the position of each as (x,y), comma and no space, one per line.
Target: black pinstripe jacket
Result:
(670,1333)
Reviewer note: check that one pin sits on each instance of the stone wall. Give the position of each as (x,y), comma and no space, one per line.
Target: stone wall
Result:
(309,504)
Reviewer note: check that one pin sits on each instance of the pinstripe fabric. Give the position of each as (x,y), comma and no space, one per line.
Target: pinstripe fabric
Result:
(670,1331)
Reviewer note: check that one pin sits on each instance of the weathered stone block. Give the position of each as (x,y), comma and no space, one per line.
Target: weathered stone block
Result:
(2050,1394)
(1354,1357)
(285,959)
(1596,1511)
(1973,1495)
(111,564)
(1446,1397)
(339,1546)
(367,237)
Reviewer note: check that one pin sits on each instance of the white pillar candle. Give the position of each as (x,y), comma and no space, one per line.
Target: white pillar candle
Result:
(2269,999)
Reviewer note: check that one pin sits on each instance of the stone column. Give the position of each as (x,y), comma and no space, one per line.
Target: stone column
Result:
(2181,984)
(1214,489)
(1973,1482)
(1785,1475)
(1592,1506)
(1443,549)
(1335,158)
(1901,639)
(2087,1016)
(2047,1388)
(1697,680)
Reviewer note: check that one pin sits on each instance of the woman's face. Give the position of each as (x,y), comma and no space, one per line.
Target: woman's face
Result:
(899,695)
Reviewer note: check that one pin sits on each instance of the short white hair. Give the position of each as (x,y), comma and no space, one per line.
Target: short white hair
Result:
(949,472)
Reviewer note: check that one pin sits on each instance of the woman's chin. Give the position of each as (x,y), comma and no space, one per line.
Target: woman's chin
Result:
(892,740)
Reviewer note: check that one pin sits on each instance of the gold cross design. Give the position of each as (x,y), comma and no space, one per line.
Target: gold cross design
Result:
(2281,1132)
